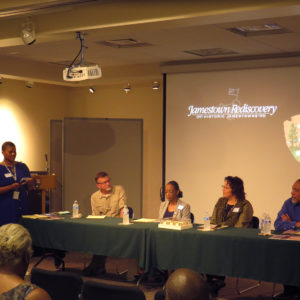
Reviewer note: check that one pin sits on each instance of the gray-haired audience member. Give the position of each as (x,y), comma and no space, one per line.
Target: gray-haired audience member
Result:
(186,284)
(15,253)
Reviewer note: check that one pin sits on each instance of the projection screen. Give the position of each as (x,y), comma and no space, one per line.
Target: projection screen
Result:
(242,123)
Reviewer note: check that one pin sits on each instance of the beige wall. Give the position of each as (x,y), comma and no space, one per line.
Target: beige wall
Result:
(142,102)
(25,116)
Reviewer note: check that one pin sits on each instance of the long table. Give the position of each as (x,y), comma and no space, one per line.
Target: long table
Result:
(231,251)
(94,236)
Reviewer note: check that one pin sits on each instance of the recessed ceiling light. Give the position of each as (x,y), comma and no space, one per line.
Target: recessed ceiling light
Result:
(259,29)
(124,43)
(211,52)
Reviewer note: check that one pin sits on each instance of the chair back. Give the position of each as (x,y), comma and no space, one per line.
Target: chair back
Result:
(192,218)
(160,295)
(255,222)
(131,213)
(97,290)
(59,285)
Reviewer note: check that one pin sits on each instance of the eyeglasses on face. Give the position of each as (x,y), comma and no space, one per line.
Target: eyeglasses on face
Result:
(104,182)
(225,187)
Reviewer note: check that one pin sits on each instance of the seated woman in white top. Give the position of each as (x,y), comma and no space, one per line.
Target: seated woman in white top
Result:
(173,207)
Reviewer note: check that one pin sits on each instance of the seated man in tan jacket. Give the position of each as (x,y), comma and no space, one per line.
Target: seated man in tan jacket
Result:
(107,201)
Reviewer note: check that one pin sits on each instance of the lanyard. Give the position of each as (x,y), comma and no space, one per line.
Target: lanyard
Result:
(14,173)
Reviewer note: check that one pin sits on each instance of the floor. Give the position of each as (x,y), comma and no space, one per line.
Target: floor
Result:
(75,262)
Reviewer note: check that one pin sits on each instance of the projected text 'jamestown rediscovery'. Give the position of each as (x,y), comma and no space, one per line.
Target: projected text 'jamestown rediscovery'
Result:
(232,111)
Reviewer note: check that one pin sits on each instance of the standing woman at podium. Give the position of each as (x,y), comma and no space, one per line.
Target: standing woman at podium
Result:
(15,180)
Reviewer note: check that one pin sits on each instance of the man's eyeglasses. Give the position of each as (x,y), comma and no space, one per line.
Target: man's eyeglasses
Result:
(104,182)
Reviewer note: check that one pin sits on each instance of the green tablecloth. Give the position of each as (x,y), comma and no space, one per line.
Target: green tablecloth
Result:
(231,251)
(97,236)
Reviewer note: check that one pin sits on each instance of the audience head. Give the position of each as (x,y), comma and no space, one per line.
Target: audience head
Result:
(296,192)
(172,191)
(103,182)
(236,185)
(15,248)
(186,284)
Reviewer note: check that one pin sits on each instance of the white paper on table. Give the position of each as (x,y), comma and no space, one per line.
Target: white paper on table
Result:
(95,217)
(145,220)
(35,216)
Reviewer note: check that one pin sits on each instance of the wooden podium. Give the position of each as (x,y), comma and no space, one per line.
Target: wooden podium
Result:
(44,183)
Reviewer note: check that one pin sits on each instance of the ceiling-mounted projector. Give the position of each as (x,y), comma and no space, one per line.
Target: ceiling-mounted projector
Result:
(78,73)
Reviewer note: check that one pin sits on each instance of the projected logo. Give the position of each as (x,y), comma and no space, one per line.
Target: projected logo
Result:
(235,110)
(292,135)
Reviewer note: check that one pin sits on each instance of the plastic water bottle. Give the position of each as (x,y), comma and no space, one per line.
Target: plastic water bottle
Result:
(268,224)
(262,225)
(125,215)
(75,209)
(206,221)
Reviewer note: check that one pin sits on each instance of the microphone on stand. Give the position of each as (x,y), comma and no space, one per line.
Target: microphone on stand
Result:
(47,167)
(162,194)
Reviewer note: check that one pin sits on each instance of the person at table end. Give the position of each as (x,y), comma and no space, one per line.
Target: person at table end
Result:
(108,201)
(186,284)
(173,207)
(289,215)
(289,219)
(232,210)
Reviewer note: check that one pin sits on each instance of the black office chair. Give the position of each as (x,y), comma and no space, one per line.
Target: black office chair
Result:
(97,290)
(255,224)
(131,213)
(160,295)
(59,285)
(57,255)
(192,218)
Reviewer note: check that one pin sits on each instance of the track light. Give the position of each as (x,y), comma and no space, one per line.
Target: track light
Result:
(155,85)
(29,84)
(92,90)
(127,88)
(28,33)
